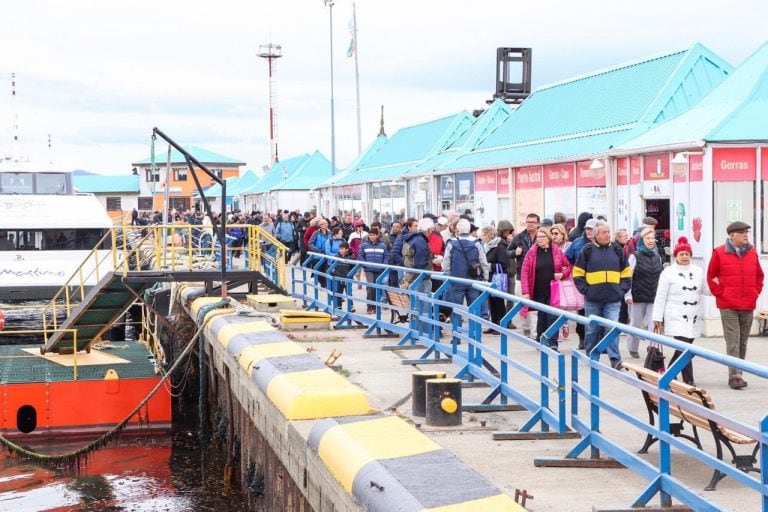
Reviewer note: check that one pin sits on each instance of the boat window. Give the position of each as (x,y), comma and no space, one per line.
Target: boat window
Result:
(50,183)
(16,183)
(50,239)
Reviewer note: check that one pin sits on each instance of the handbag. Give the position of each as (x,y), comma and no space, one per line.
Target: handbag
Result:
(654,358)
(565,295)
(500,278)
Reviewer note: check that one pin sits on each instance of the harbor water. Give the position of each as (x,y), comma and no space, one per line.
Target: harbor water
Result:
(160,473)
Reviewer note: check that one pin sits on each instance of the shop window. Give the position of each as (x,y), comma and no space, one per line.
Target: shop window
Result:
(113,204)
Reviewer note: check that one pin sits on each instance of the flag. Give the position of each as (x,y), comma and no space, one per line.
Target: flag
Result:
(352,26)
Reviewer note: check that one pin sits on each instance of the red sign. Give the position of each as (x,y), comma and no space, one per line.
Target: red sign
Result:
(696,167)
(622,171)
(634,170)
(764,162)
(559,175)
(734,164)
(485,181)
(586,177)
(528,178)
(502,182)
(656,167)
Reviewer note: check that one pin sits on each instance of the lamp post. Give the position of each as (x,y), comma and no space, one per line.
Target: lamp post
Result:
(329,4)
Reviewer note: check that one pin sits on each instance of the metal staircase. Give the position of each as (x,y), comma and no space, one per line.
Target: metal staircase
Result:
(139,258)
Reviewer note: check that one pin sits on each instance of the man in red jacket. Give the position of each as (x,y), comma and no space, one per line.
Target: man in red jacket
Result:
(735,279)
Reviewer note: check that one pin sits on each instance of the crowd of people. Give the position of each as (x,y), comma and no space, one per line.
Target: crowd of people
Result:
(621,277)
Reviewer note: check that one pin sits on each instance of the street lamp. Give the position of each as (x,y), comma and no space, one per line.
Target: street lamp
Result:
(423,183)
(329,4)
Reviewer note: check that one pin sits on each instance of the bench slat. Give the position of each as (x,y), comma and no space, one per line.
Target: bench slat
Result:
(693,394)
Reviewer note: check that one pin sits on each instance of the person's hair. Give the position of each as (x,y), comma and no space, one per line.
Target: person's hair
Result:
(426,224)
(373,231)
(559,218)
(463,226)
(343,245)
(336,229)
(647,231)
(618,232)
(560,228)
(600,224)
(545,231)
(533,216)
(489,231)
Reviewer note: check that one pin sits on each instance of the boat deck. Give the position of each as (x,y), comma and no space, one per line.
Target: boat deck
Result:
(25,364)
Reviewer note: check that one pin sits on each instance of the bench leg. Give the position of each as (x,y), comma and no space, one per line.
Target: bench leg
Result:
(717,475)
(649,440)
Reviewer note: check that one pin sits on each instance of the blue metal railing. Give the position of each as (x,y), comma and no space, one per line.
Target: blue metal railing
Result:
(504,373)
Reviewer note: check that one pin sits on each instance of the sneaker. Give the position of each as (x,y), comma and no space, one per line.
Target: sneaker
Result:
(737,383)
(634,355)
(581,344)
(616,364)
(527,333)
(512,326)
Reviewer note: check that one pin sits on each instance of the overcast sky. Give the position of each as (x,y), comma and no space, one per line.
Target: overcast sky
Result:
(97,76)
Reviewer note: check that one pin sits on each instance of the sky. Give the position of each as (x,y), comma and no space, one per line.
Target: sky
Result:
(98,76)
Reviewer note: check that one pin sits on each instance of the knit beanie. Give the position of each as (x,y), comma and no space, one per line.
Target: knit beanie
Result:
(682,245)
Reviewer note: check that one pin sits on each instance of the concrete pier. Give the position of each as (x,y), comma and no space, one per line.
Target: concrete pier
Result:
(340,453)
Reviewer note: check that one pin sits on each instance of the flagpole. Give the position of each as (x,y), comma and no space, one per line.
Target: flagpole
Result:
(357,81)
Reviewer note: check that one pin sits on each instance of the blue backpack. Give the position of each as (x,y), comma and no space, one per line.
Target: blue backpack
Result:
(465,259)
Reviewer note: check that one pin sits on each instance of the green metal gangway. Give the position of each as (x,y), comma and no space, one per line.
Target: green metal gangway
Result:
(130,259)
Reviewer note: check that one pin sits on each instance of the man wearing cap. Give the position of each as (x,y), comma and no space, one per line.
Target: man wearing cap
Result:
(735,278)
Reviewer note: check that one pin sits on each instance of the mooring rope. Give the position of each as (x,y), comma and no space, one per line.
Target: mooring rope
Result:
(75,458)
(202,397)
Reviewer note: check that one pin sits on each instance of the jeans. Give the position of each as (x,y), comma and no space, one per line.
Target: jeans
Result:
(609,311)
(458,294)
(370,292)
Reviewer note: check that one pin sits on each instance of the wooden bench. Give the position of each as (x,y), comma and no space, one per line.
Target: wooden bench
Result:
(399,306)
(723,436)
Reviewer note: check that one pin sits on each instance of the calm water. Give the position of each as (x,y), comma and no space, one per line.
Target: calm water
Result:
(157,474)
(160,474)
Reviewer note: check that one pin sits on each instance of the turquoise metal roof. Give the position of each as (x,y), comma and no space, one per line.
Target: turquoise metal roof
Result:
(536,153)
(620,97)
(735,110)
(408,147)
(315,171)
(202,155)
(485,123)
(299,173)
(276,174)
(96,184)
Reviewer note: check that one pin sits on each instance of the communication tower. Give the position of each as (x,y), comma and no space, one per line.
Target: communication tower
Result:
(272,52)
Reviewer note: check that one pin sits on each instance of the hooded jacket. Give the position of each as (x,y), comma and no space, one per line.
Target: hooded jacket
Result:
(579,229)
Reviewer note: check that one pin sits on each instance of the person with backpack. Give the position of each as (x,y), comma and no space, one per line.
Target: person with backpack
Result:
(416,254)
(464,258)
(373,250)
(572,253)
(602,274)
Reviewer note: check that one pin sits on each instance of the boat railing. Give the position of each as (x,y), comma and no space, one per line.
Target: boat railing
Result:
(171,247)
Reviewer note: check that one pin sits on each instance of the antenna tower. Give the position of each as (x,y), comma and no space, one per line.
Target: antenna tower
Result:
(272,52)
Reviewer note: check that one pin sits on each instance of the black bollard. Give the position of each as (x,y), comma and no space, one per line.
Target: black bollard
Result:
(443,402)
(419,390)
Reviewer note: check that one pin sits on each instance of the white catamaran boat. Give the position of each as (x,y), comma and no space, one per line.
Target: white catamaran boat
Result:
(46,232)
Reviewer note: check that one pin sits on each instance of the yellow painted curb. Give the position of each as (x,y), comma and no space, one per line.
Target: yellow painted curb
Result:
(315,394)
